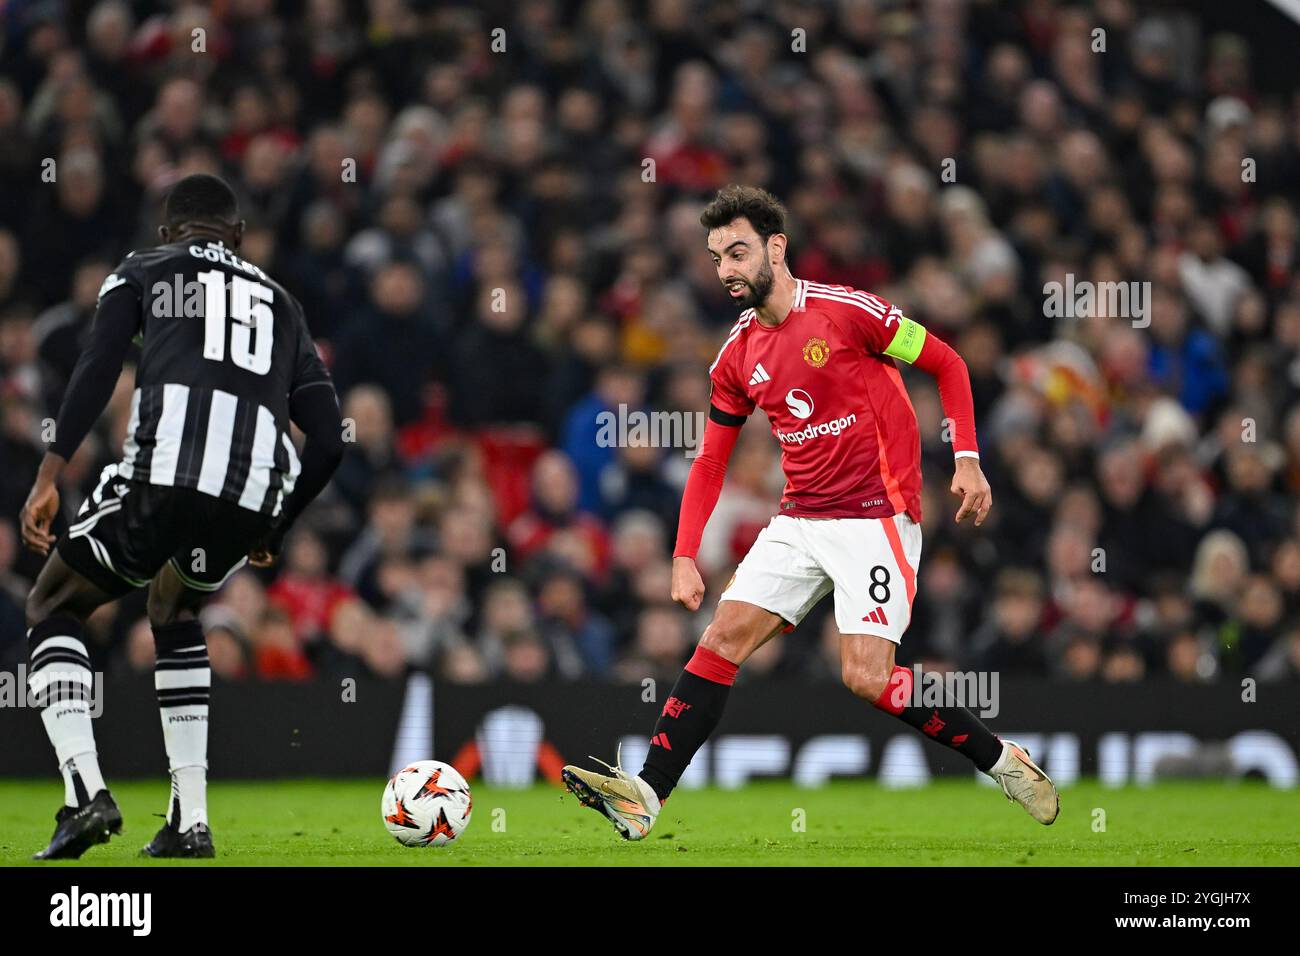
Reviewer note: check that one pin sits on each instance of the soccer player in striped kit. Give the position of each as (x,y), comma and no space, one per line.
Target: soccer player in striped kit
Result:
(209,479)
(820,361)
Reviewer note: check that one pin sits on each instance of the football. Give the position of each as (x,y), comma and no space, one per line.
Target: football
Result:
(426,803)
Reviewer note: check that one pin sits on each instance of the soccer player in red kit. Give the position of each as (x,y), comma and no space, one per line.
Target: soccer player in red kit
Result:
(820,361)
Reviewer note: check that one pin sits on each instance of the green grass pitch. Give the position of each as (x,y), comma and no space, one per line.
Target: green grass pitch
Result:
(336,823)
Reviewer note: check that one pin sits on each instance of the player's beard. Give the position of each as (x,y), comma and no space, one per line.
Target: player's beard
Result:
(761,287)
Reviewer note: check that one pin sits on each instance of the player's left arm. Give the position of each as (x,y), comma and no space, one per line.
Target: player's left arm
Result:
(117,318)
(911,343)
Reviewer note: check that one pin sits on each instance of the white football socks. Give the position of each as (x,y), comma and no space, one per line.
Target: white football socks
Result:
(61,681)
(182,679)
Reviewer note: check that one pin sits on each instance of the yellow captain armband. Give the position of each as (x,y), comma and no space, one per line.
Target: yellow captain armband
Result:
(907,342)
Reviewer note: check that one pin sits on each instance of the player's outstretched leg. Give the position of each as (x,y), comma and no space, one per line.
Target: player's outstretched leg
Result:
(182,680)
(61,683)
(688,718)
(869,671)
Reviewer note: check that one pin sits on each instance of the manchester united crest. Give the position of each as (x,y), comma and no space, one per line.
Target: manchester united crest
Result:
(816,352)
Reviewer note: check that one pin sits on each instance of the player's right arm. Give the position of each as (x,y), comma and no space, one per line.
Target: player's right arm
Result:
(117,319)
(728,410)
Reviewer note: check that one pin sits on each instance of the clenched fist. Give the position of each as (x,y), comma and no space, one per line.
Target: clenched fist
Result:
(688,586)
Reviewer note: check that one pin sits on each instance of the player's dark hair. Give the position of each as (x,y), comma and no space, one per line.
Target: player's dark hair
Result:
(201,197)
(763,210)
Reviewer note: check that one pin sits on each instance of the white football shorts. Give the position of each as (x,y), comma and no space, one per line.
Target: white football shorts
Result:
(870,563)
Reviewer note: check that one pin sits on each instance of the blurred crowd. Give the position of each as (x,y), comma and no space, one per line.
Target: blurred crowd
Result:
(490,214)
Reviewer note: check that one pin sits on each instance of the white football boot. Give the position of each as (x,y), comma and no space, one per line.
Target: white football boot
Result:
(1024,782)
(628,801)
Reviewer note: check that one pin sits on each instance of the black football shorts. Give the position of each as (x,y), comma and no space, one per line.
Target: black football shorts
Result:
(127,530)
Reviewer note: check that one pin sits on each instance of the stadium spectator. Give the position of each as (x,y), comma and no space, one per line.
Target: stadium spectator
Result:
(555,512)
(305,589)
(394,343)
(659,648)
(566,621)
(1011,641)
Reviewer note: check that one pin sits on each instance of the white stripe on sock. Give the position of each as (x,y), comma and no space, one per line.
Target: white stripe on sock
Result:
(72,643)
(60,672)
(175,679)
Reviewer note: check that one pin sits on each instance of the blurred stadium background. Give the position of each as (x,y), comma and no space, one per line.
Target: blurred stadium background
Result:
(398,173)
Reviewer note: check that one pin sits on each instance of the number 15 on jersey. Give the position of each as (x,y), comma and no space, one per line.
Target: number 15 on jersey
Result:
(248,316)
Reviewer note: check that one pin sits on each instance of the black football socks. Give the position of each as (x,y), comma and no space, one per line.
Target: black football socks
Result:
(949,724)
(688,719)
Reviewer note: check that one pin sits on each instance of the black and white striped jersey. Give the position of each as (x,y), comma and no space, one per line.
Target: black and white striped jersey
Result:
(223,346)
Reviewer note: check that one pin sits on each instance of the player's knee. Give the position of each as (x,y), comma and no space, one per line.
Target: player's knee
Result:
(867,681)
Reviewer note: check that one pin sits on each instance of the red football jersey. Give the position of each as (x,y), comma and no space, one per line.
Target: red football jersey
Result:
(826,378)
